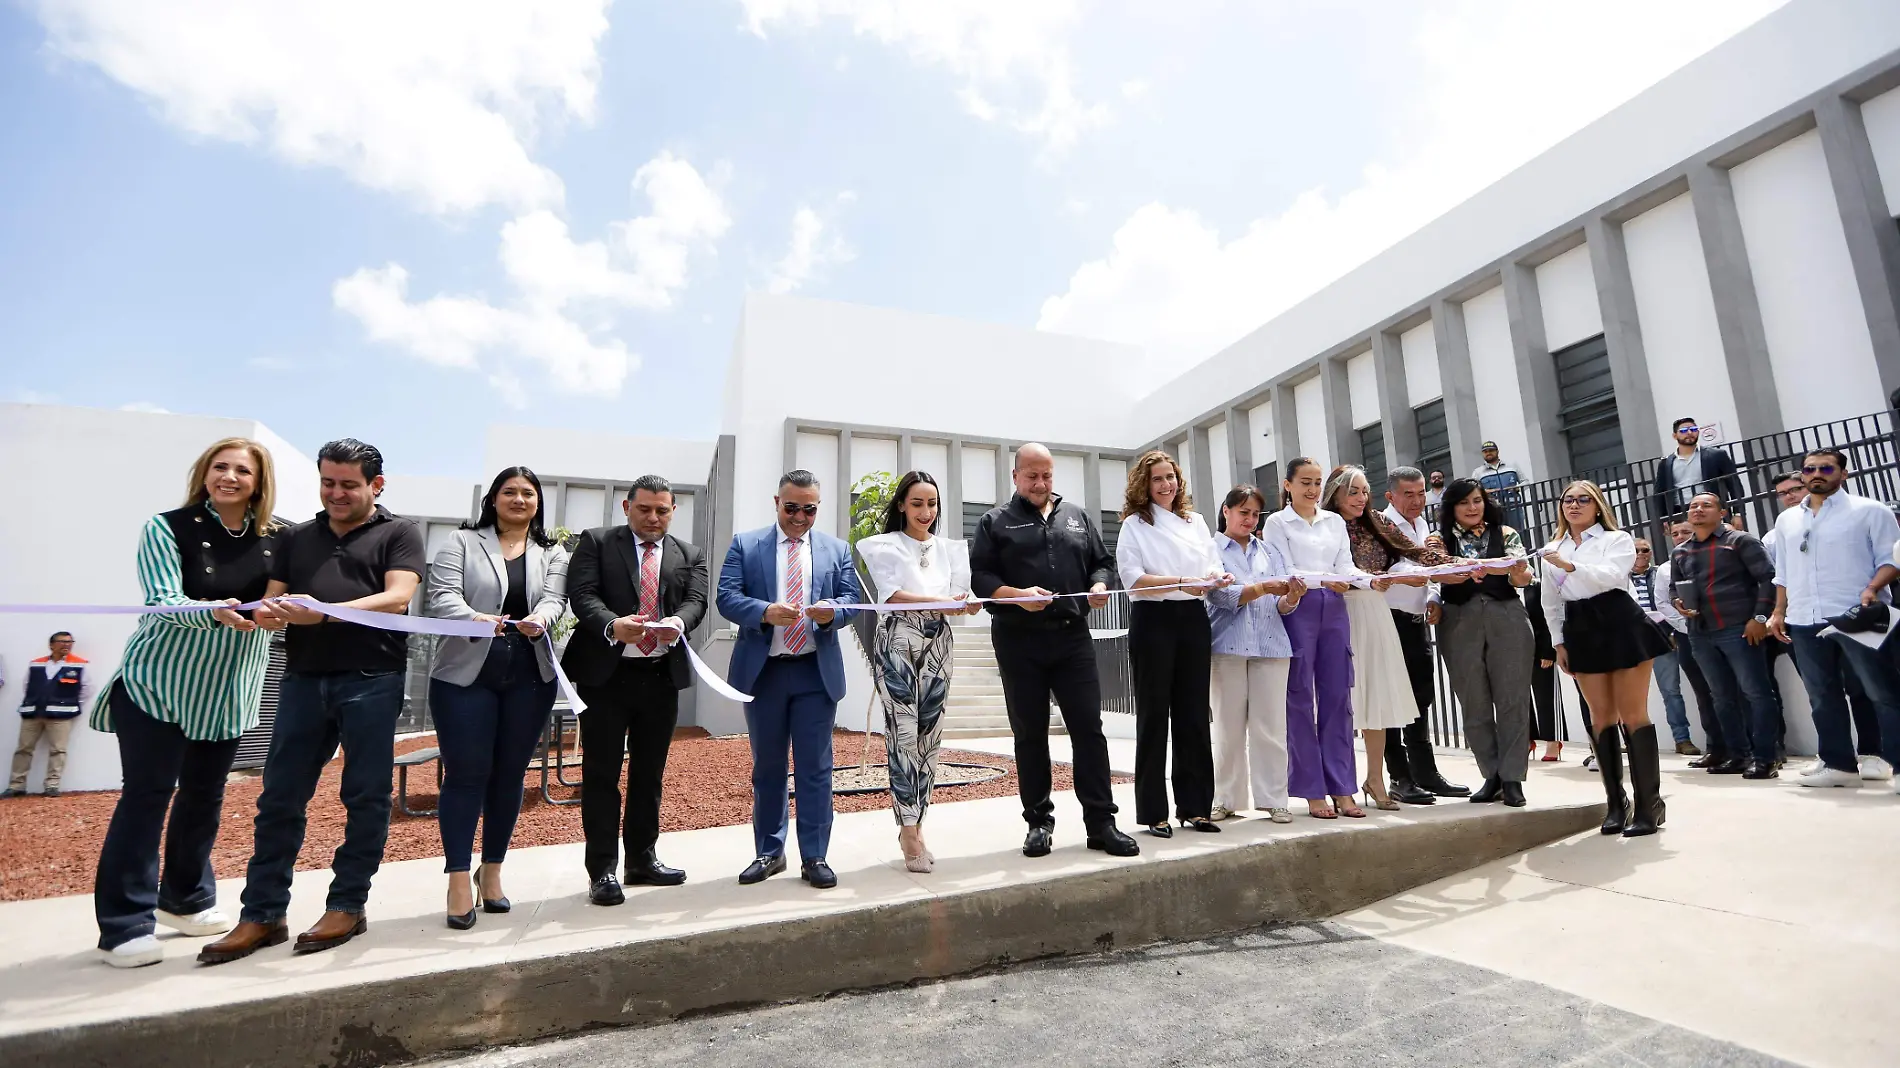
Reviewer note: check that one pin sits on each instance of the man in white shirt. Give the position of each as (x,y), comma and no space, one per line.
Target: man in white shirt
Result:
(1409,757)
(1832,553)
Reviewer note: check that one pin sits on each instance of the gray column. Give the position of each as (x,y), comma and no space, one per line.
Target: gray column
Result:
(1092,492)
(951,492)
(725,459)
(1336,395)
(842,495)
(1737,311)
(1200,461)
(1286,426)
(903,456)
(1005,459)
(1873,241)
(1643,437)
(1455,379)
(1536,372)
(1396,420)
(1239,449)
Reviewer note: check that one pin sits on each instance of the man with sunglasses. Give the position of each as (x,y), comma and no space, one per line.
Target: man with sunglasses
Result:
(1691,469)
(1833,553)
(778,586)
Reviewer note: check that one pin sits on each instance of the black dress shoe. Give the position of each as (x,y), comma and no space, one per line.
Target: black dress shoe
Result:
(1160,830)
(819,874)
(606,891)
(1492,789)
(648,871)
(1113,842)
(1730,766)
(1758,769)
(1440,787)
(1405,790)
(1039,840)
(762,869)
(1706,761)
(1513,794)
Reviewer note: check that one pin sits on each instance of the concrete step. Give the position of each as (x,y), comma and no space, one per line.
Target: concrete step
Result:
(950,731)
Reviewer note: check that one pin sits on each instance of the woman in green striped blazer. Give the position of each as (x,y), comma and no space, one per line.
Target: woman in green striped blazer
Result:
(187,687)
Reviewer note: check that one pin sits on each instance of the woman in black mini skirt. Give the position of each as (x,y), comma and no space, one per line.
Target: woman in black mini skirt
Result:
(1605,640)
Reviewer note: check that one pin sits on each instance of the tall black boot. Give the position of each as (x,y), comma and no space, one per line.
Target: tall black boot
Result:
(1424,763)
(1610,766)
(1646,779)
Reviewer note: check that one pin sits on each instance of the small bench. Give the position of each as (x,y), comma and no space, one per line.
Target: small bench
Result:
(405,761)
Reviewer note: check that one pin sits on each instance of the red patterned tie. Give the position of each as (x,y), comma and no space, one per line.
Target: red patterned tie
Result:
(800,630)
(649,594)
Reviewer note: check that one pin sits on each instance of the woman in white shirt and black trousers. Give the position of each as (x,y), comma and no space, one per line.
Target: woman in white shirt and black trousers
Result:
(1603,639)
(1170,643)
(910,563)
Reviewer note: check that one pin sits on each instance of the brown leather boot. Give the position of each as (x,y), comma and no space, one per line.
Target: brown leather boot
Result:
(334,929)
(245,939)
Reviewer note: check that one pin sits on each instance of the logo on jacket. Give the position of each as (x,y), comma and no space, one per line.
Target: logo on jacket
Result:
(1075,525)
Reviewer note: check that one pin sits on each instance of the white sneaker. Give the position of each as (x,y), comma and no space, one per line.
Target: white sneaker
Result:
(1813,766)
(141,951)
(1874,769)
(1280,815)
(1220,813)
(1826,776)
(198,924)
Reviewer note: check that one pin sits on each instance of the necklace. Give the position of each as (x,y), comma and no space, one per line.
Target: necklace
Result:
(239,532)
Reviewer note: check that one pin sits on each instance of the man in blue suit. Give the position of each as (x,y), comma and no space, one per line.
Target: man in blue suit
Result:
(777,586)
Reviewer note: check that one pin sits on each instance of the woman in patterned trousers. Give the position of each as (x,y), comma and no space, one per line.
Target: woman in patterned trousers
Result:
(909,563)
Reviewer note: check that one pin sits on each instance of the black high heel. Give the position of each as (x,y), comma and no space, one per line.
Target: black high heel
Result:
(1161,830)
(489,904)
(1202,824)
(463,922)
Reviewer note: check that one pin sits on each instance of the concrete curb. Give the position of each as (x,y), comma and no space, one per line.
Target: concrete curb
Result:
(1305,878)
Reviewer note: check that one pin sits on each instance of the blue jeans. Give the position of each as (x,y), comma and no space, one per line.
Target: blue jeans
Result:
(1744,700)
(1668,671)
(162,767)
(1826,666)
(488,731)
(314,714)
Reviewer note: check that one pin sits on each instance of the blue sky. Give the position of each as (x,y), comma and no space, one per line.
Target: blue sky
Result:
(200,212)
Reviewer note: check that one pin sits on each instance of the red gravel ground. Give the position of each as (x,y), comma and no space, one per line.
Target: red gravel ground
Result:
(51,847)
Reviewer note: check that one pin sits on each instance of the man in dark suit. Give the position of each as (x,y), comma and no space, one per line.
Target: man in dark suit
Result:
(1691,470)
(777,586)
(637,593)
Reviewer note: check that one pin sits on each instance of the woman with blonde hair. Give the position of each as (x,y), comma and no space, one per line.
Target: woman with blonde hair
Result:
(1165,543)
(188,685)
(1382,685)
(1604,640)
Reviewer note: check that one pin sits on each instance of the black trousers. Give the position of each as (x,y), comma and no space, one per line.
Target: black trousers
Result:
(1036,661)
(1170,653)
(162,767)
(633,715)
(1408,749)
(1704,700)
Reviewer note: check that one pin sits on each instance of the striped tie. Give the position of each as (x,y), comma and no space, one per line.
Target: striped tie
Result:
(800,630)
(649,594)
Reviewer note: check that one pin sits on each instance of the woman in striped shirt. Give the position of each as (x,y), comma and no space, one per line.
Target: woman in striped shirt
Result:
(188,685)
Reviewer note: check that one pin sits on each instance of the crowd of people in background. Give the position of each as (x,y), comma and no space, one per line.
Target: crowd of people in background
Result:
(1267,650)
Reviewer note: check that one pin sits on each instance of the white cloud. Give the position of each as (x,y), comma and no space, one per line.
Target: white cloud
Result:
(644,264)
(435,100)
(1494,96)
(1012,56)
(814,249)
(144,406)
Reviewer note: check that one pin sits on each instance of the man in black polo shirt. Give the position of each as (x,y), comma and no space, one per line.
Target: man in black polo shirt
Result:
(343,683)
(1037,545)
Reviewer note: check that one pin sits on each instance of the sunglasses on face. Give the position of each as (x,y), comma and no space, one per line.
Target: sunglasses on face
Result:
(1579,500)
(1688,429)
(800,509)
(1819,469)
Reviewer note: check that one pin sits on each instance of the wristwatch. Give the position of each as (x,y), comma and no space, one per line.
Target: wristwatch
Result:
(1763,620)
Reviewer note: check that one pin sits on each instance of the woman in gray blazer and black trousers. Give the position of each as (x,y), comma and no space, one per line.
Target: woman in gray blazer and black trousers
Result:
(491,696)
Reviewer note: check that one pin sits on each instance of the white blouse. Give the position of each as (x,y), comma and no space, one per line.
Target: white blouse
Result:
(1321,547)
(1170,546)
(1603,563)
(939,567)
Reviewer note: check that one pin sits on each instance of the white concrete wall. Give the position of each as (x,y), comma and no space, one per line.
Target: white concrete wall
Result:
(1419,348)
(1309,413)
(870,456)
(1072,477)
(587,455)
(1804,281)
(1791,53)
(1675,309)
(138,463)
(931,458)
(297,494)
(979,474)
(440,496)
(817,453)
(1882,116)
(1260,433)
(1567,288)
(1362,386)
(1221,456)
(1494,374)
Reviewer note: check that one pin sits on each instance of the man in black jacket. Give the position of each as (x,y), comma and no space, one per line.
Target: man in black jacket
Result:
(1725,586)
(1035,546)
(1689,470)
(637,592)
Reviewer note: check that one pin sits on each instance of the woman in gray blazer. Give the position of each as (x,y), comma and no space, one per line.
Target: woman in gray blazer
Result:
(491,696)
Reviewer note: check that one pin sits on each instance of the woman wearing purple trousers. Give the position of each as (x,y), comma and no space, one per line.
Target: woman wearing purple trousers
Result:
(1321,763)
